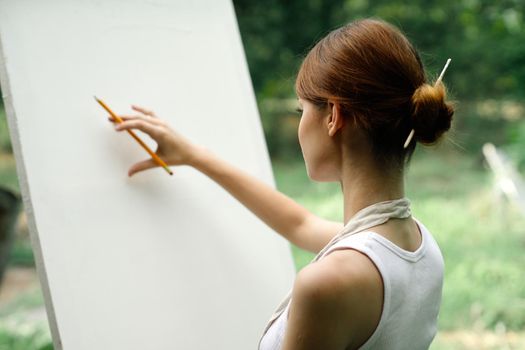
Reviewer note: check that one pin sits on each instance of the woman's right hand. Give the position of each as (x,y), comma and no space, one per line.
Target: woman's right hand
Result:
(172,148)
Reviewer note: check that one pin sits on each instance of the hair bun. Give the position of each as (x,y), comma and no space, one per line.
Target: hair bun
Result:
(431,114)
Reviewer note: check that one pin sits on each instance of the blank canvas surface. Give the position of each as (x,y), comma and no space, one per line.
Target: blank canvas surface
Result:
(153,261)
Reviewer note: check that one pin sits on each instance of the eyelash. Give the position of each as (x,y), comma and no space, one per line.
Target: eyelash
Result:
(299,110)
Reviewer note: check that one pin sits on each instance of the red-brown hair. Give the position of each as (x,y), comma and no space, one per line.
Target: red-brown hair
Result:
(376,75)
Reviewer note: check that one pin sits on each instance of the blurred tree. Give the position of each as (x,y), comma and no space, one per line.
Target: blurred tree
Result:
(276,34)
(481,36)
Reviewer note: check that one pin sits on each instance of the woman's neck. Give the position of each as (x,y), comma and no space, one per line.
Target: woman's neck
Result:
(364,184)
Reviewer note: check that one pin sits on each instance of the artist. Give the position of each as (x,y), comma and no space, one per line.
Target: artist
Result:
(377,280)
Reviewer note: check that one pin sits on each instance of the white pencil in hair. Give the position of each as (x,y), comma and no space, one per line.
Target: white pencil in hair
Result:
(443,72)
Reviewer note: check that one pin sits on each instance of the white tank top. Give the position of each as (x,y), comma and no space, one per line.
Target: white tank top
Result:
(412,282)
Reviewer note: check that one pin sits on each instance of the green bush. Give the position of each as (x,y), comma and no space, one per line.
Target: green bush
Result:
(21,254)
(34,340)
(5,141)
(516,145)
(22,326)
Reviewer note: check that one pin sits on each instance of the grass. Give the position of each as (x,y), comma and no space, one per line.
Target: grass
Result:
(19,330)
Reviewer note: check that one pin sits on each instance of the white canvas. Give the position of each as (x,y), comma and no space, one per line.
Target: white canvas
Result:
(153,261)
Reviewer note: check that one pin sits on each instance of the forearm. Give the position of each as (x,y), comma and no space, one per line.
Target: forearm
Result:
(278,211)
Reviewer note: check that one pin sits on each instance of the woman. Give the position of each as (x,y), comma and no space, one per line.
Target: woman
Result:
(376,282)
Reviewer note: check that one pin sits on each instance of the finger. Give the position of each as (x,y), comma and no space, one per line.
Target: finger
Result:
(124,117)
(113,120)
(136,116)
(144,110)
(141,166)
(142,125)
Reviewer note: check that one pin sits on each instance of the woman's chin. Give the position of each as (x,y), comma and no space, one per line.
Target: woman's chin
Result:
(319,176)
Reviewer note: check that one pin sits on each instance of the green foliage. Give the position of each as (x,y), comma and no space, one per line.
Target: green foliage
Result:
(5,141)
(20,329)
(8,176)
(482,37)
(21,254)
(280,123)
(483,259)
(35,340)
(276,34)
(516,144)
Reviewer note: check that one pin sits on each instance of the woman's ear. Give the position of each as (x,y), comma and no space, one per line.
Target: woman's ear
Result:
(335,118)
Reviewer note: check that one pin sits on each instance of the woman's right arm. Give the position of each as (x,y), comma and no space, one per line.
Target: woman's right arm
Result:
(278,211)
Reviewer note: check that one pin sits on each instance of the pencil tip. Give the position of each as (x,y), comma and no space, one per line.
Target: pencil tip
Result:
(95,97)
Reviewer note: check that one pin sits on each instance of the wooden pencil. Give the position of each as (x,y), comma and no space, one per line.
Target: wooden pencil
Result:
(155,157)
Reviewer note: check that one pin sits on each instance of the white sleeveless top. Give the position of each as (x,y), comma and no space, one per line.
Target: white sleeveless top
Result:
(412,282)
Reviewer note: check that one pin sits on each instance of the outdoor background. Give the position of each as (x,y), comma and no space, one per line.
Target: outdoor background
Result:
(480,231)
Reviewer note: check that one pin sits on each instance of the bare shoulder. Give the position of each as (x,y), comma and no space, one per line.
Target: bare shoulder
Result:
(345,272)
(336,302)
(336,272)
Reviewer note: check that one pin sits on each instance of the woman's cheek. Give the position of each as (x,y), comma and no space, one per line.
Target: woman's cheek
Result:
(300,131)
